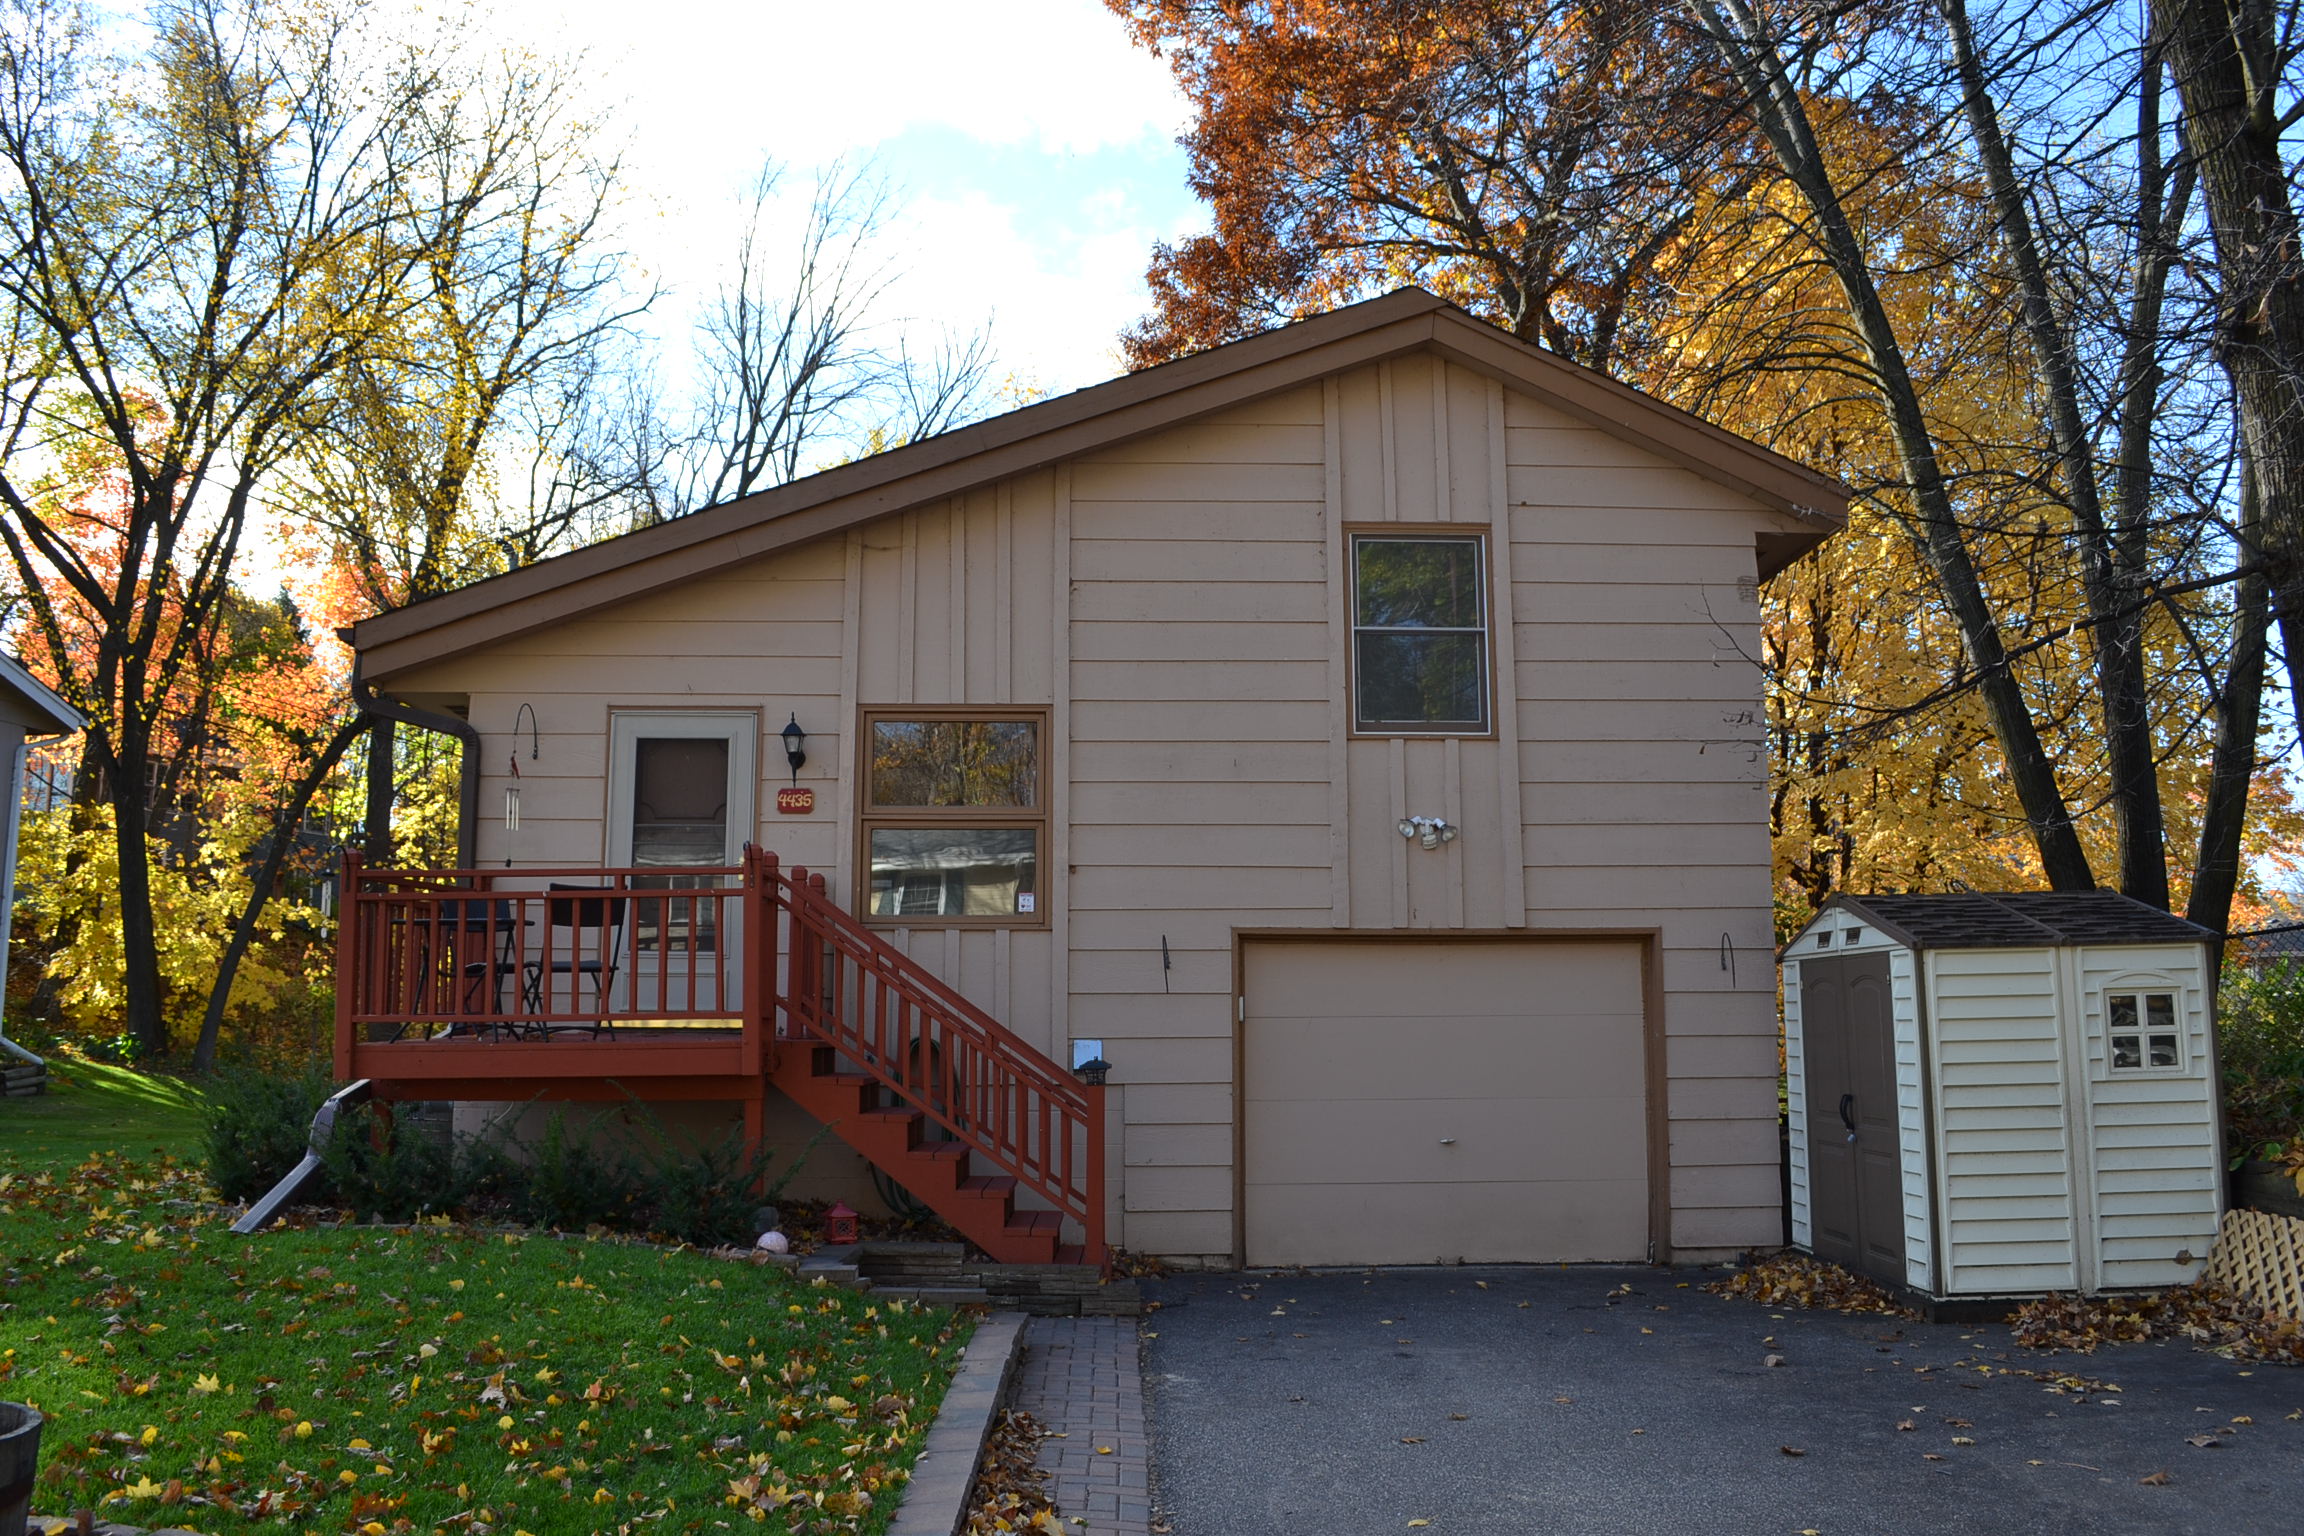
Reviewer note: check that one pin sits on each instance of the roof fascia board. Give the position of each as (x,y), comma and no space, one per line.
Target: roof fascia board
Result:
(1103,416)
(603,574)
(1621,411)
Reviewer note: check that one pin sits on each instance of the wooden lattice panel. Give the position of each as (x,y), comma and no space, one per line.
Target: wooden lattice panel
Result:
(2261,1256)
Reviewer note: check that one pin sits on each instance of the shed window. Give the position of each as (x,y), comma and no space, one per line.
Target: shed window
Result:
(953,820)
(1419,634)
(2141,1031)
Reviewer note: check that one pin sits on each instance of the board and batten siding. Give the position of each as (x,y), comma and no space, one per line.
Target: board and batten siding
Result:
(1178,603)
(2004,1152)
(2152,1137)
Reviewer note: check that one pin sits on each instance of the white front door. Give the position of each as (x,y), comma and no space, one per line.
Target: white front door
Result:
(680,801)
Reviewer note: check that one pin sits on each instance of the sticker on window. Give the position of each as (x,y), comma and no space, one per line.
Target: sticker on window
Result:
(1024,901)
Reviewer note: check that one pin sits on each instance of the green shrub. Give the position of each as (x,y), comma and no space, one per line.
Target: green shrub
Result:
(574,1180)
(2260,1047)
(400,1173)
(258,1127)
(705,1192)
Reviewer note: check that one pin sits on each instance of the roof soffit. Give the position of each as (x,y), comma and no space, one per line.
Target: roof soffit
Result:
(1040,436)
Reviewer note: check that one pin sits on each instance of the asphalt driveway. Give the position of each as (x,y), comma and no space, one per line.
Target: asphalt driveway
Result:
(1590,1401)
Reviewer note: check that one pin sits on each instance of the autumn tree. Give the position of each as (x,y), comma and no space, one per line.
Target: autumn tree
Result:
(1895,240)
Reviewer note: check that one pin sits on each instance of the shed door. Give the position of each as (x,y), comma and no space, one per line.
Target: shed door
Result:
(1855,1191)
(1411,1103)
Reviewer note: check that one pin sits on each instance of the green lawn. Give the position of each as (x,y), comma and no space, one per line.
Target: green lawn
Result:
(90,1107)
(435,1379)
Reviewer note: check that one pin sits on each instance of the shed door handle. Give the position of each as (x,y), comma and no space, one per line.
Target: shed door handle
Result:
(1848,1119)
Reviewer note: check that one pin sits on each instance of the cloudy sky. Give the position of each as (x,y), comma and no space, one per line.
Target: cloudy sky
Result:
(1031,146)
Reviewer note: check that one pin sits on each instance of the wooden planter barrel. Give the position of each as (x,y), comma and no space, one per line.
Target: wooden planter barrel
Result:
(19,1460)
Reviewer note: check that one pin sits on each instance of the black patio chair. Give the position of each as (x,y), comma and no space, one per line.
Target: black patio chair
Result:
(594,924)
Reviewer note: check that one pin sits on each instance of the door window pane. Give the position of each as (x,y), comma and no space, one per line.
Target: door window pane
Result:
(954,871)
(955,763)
(679,801)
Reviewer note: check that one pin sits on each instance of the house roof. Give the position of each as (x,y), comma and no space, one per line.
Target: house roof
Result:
(2015,919)
(1036,436)
(37,698)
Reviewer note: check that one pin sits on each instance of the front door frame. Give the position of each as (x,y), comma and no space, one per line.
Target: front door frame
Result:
(739,726)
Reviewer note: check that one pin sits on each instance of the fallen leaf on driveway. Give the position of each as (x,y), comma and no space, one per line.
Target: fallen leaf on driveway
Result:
(1415,1523)
(1411,1439)
(2156,1480)
(1773,1361)
(1962,1440)
(2205,1442)
(1563,1399)
(1930,1456)
(1906,1424)
(1459,1417)
(1791,1450)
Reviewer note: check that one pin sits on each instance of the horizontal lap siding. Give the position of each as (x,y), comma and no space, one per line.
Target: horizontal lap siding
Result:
(2157,1161)
(1643,780)
(1200,677)
(2006,1176)
(765,637)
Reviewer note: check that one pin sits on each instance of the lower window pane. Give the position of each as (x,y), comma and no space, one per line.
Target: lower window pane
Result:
(954,871)
(2127,1051)
(1427,679)
(2163,1050)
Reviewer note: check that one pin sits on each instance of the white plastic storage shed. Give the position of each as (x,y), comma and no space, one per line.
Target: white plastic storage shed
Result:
(2001,1095)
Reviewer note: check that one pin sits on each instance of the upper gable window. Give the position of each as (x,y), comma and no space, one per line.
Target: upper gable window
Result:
(1419,634)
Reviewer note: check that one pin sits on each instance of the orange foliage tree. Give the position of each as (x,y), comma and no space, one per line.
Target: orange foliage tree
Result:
(1878,242)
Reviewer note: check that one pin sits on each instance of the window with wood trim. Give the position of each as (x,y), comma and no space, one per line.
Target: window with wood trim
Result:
(954,816)
(1420,643)
(2141,1032)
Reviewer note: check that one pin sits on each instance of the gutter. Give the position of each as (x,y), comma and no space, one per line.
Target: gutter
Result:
(383,707)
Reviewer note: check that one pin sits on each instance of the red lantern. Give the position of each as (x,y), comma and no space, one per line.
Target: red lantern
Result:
(840,1224)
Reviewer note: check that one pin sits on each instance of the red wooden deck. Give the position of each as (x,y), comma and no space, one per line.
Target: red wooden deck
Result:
(599,984)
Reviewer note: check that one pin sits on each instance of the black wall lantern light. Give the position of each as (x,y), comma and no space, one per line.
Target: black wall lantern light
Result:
(794,739)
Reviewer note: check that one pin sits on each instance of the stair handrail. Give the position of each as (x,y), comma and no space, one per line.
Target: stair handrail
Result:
(1079,1106)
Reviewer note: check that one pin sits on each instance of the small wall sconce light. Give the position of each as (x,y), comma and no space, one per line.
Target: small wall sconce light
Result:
(840,1224)
(794,739)
(1429,831)
(1088,1061)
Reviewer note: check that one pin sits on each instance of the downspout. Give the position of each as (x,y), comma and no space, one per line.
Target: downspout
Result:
(383,707)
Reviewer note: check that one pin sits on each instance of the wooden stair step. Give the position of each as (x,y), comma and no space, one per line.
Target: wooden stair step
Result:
(1021,1223)
(988,1184)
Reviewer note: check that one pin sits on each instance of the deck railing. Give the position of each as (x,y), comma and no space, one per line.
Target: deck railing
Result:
(530,953)
(847,987)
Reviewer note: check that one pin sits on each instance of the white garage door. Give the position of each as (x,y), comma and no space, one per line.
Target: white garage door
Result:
(1413,1103)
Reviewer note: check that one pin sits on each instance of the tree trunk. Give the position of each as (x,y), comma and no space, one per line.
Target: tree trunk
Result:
(290,816)
(123,764)
(2224,811)
(2226,62)
(1784,123)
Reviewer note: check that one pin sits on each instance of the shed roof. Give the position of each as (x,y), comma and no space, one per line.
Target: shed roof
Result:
(2018,919)
(1402,322)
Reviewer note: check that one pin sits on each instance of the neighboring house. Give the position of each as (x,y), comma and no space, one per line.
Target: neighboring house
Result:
(28,708)
(1351,734)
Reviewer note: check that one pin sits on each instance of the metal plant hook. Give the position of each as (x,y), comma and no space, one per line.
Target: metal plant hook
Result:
(535,736)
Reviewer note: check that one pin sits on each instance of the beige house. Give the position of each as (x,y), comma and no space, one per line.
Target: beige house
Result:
(1350,734)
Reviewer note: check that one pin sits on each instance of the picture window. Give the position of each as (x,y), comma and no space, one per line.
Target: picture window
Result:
(953,820)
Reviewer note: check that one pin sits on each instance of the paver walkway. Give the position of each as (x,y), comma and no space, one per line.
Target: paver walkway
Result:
(1080,1380)
(1626,1402)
